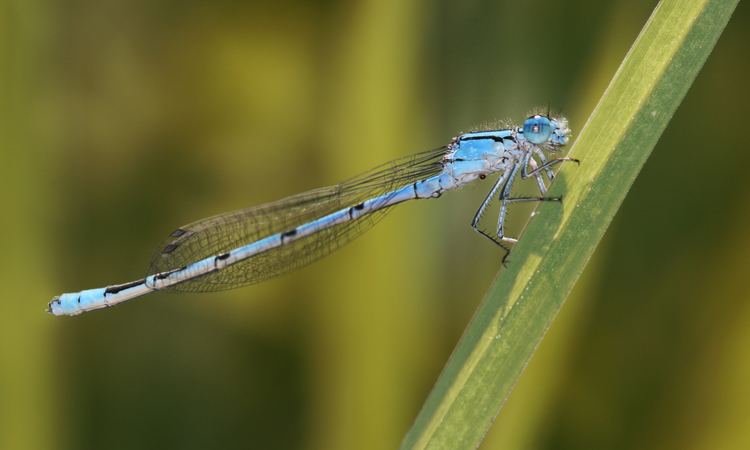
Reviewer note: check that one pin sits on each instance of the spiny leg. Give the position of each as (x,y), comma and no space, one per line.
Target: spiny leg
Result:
(483,207)
(546,165)
(501,220)
(537,151)
(495,241)
(539,179)
(488,199)
(504,196)
(506,199)
(533,199)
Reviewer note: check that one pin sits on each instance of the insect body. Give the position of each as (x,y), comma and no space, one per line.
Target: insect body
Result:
(250,245)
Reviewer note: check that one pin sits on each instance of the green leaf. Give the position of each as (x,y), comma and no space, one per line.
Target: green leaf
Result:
(613,146)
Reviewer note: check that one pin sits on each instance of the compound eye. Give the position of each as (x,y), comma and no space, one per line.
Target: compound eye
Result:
(537,129)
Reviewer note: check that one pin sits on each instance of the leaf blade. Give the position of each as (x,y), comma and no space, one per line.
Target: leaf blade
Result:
(613,146)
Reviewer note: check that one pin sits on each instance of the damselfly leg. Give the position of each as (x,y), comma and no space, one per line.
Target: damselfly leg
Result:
(527,167)
(546,166)
(483,207)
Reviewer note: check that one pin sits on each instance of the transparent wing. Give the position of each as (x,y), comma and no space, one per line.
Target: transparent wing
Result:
(224,232)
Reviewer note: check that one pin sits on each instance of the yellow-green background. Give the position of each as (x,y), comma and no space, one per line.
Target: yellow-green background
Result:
(122,119)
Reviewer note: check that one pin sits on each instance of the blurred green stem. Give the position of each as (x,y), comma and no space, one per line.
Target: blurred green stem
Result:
(613,146)
(28,398)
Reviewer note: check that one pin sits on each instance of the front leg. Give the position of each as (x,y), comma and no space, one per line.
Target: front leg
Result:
(547,165)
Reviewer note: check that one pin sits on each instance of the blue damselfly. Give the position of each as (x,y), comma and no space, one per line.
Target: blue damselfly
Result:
(250,245)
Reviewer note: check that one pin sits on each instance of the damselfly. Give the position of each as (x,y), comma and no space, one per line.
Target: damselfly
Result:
(250,245)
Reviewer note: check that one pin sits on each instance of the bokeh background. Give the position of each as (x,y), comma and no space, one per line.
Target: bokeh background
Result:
(120,120)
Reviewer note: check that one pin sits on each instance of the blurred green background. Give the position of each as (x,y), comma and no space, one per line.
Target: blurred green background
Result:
(120,120)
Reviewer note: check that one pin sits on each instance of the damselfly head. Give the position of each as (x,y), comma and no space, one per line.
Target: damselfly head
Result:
(540,129)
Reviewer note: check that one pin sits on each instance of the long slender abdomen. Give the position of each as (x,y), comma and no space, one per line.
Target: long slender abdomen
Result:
(88,300)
